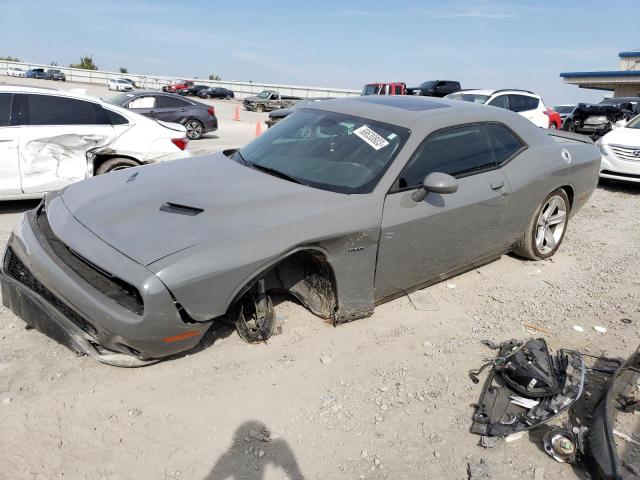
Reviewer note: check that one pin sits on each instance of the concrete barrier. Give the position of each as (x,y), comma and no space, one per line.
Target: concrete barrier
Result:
(156,82)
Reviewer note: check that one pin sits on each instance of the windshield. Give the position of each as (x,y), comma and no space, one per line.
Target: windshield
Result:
(120,99)
(429,84)
(372,89)
(264,94)
(327,150)
(564,108)
(634,123)
(469,97)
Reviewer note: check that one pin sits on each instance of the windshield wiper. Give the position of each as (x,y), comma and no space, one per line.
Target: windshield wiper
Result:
(275,173)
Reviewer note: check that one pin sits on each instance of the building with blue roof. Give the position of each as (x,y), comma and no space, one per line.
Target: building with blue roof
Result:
(624,82)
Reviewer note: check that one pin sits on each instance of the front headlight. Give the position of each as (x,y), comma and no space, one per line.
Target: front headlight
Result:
(603,150)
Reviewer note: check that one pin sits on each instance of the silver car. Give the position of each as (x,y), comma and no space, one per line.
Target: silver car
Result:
(344,205)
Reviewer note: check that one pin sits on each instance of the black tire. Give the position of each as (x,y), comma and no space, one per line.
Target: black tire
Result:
(528,246)
(260,108)
(114,164)
(247,325)
(195,129)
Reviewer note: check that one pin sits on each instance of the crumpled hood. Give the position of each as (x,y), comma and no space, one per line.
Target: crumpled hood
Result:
(150,212)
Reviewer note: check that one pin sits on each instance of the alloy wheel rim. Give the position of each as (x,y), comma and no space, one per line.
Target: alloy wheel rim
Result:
(551,224)
(194,129)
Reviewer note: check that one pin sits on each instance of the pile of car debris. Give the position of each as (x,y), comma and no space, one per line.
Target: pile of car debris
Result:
(528,386)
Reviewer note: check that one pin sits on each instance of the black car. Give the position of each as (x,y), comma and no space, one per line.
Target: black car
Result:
(55,74)
(277,115)
(215,92)
(192,91)
(435,88)
(197,117)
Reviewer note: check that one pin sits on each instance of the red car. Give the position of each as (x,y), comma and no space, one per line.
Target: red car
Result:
(179,85)
(555,122)
(397,88)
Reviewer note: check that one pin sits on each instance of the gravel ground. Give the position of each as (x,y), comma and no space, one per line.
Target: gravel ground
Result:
(386,397)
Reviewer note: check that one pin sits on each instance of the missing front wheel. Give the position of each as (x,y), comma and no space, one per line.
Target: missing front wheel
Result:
(254,315)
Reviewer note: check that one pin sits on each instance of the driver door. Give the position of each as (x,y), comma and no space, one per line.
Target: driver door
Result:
(424,241)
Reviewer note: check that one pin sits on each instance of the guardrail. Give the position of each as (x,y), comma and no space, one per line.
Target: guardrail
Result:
(156,82)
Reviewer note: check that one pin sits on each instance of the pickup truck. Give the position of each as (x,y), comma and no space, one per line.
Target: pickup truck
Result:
(268,100)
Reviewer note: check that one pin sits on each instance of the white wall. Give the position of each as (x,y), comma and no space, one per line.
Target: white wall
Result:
(156,82)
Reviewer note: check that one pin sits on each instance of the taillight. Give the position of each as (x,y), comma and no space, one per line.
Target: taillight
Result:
(181,143)
(211,111)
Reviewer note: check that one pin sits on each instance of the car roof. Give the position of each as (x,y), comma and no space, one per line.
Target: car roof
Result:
(13,88)
(501,90)
(406,110)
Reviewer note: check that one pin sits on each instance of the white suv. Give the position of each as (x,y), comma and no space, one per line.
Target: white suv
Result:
(119,84)
(524,102)
(51,138)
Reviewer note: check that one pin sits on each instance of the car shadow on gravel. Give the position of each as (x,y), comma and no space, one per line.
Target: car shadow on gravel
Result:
(622,187)
(17,206)
(252,450)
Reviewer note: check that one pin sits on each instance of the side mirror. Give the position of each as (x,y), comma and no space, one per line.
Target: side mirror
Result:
(435,182)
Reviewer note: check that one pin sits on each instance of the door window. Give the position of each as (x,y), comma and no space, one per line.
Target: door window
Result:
(54,110)
(500,102)
(142,102)
(5,109)
(460,151)
(170,102)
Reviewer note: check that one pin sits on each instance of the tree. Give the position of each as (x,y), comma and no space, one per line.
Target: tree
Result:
(213,76)
(124,70)
(86,63)
(9,58)
(54,64)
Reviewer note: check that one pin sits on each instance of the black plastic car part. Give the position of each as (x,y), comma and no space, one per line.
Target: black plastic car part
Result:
(527,386)
(621,396)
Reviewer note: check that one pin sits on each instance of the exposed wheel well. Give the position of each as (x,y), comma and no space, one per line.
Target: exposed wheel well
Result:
(103,157)
(308,276)
(570,193)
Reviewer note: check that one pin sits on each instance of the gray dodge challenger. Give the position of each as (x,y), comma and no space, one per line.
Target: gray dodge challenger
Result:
(344,205)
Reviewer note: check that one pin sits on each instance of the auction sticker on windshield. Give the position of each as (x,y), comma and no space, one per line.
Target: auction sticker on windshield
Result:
(371,137)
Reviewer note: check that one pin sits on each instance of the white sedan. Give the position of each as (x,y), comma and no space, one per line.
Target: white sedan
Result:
(51,138)
(620,149)
(120,85)
(16,72)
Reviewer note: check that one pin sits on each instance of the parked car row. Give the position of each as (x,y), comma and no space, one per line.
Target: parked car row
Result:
(49,74)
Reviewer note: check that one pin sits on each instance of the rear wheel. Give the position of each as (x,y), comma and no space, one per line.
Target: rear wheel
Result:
(547,227)
(195,129)
(114,164)
(552,126)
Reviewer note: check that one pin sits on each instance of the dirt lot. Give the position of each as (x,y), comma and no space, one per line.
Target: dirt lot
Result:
(385,397)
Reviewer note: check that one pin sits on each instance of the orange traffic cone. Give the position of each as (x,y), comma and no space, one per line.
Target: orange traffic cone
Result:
(258,129)
(236,116)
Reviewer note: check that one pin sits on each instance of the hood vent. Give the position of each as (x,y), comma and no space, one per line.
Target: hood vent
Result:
(170,207)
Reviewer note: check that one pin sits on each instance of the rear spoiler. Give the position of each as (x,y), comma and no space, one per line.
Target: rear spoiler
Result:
(570,136)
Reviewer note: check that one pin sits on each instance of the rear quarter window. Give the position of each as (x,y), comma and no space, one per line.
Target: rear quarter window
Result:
(115,118)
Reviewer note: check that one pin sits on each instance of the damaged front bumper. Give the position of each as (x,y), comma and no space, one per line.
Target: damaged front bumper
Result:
(53,288)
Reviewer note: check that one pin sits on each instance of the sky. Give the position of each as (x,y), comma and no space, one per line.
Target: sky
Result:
(483,44)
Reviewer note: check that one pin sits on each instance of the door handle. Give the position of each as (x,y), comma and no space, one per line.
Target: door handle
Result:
(497,185)
(151,112)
